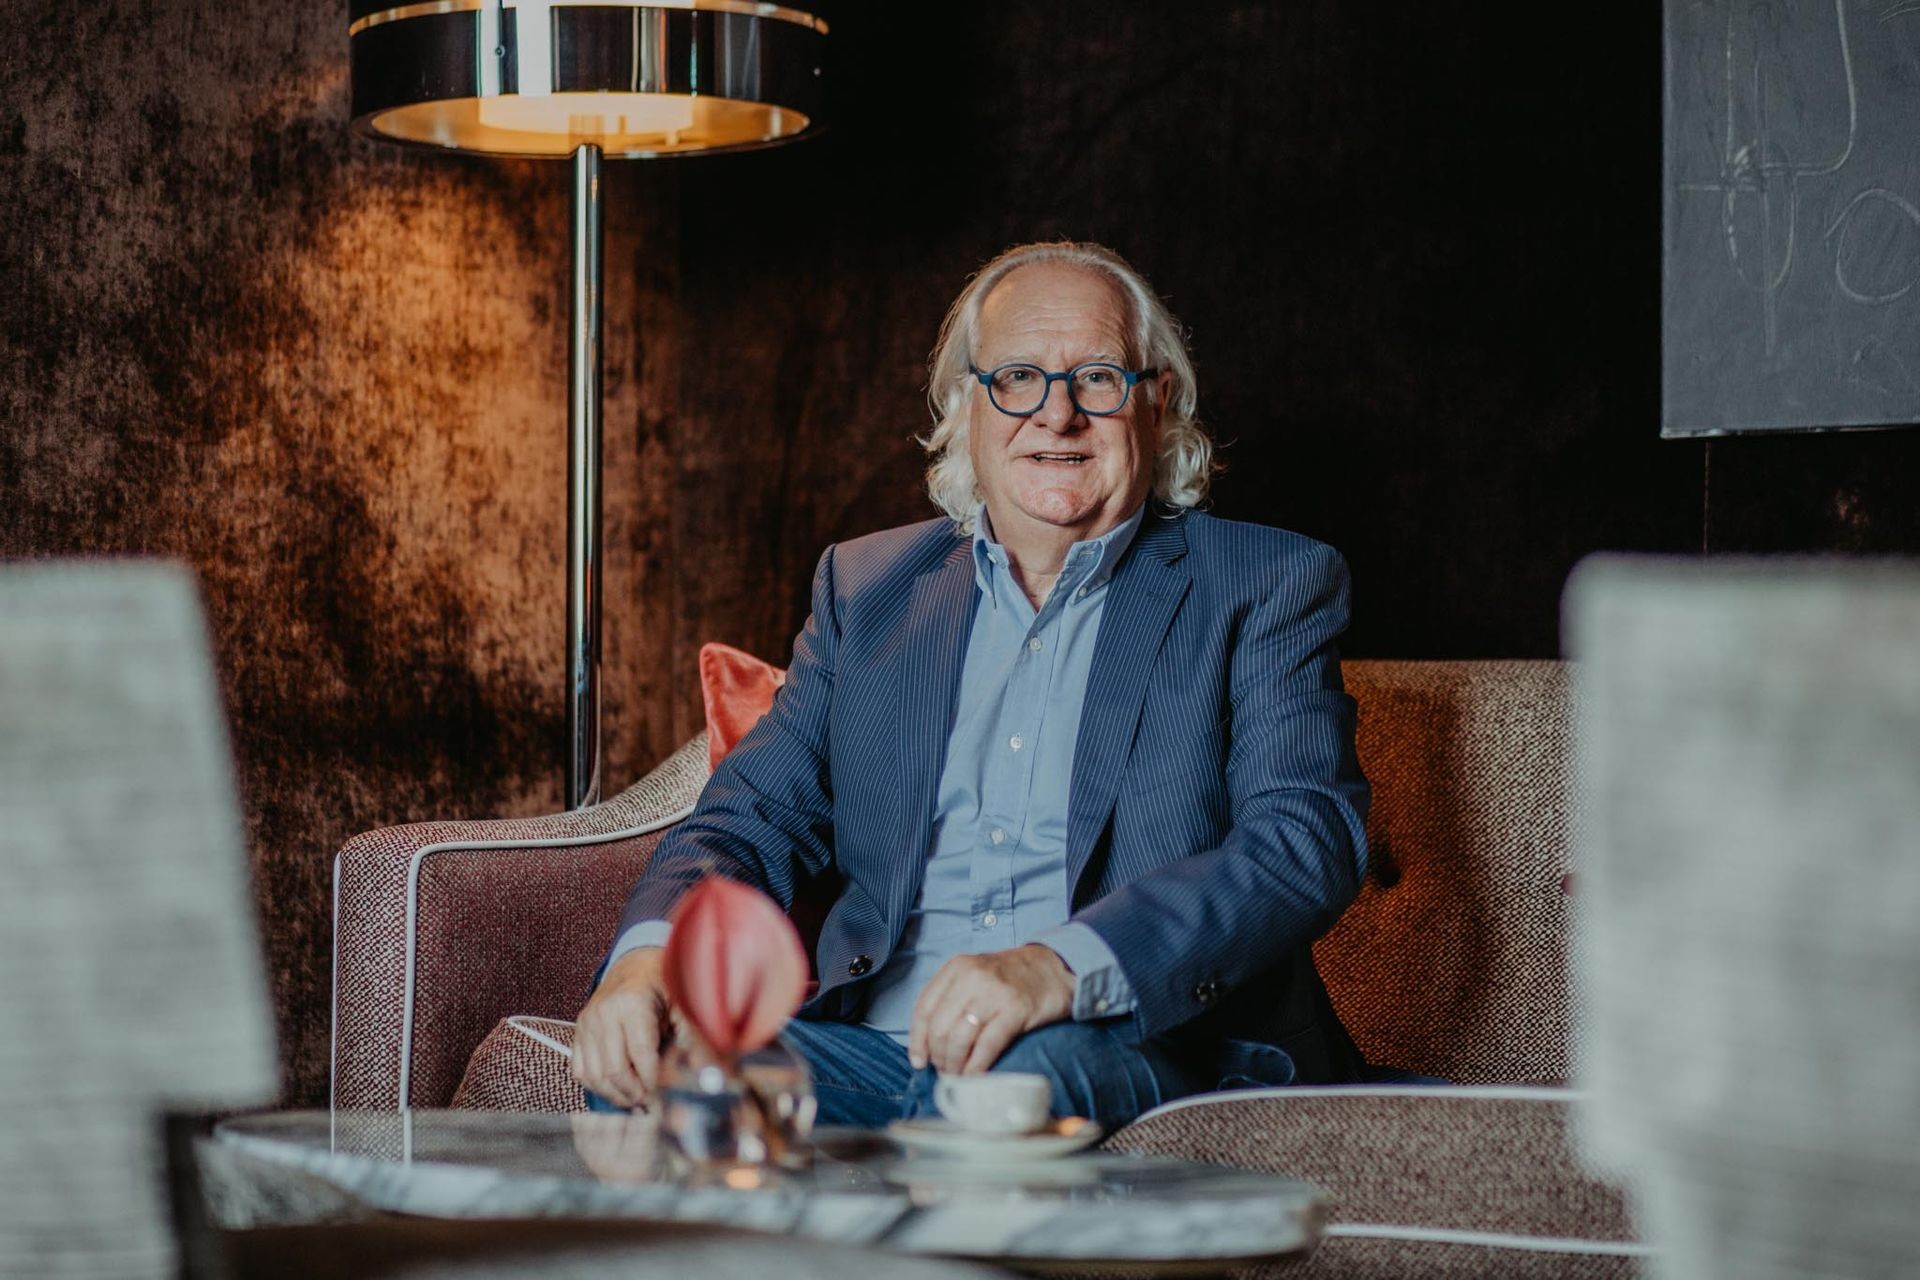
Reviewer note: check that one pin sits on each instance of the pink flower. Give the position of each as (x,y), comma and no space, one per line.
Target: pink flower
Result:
(734,966)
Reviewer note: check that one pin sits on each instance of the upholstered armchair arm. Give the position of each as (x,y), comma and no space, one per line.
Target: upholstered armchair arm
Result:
(1391,1162)
(443,928)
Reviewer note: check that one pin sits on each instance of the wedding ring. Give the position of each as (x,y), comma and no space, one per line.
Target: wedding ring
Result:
(972,1019)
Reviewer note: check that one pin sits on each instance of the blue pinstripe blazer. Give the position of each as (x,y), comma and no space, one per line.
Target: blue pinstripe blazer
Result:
(1216,812)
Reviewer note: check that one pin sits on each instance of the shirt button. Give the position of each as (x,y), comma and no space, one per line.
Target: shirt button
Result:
(989,919)
(1034,644)
(1100,1005)
(1081,594)
(1015,742)
(998,836)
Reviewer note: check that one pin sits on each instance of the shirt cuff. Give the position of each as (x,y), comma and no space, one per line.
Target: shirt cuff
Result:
(648,933)
(1100,990)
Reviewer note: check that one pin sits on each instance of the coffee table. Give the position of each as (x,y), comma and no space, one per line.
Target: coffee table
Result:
(1087,1209)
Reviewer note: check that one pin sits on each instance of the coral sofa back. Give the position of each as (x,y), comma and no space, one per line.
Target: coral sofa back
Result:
(1453,960)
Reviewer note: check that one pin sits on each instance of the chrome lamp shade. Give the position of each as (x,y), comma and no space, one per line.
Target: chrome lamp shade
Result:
(563,79)
(542,77)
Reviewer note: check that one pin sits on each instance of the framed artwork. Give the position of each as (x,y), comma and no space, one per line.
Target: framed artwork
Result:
(1791,222)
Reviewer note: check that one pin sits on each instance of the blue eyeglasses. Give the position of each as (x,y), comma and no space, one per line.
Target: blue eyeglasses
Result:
(1097,389)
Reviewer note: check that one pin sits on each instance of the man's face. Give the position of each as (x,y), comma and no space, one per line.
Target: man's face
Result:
(1057,466)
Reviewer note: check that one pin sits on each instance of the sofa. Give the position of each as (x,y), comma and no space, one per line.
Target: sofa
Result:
(463,949)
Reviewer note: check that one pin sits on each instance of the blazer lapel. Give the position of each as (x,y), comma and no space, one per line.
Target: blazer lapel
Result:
(933,649)
(1145,593)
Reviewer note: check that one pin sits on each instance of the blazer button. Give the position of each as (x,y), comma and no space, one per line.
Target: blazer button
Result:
(1207,992)
(859,966)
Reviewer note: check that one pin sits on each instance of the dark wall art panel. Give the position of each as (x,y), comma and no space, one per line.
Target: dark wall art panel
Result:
(1426,325)
(1792,215)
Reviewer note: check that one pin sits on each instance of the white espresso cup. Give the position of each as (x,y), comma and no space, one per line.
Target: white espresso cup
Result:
(996,1102)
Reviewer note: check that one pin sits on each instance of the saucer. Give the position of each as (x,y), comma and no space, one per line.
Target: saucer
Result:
(939,1136)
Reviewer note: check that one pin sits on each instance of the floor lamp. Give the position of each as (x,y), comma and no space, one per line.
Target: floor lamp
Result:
(559,79)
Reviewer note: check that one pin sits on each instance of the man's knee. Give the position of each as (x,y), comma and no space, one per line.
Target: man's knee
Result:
(1093,1072)
(1055,1049)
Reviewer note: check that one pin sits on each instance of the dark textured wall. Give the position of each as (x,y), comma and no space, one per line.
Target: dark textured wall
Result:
(1419,260)
(331,377)
(1418,253)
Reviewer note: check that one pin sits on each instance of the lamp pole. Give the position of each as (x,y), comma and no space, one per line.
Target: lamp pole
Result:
(583,486)
(553,78)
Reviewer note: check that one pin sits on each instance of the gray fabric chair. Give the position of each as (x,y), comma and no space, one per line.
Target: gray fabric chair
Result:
(1749,940)
(130,982)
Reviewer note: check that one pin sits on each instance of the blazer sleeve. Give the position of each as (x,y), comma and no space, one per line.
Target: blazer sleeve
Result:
(1198,928)
(766,815)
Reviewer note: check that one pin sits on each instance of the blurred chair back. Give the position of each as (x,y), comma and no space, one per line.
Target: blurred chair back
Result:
(1748,927)
(130,979)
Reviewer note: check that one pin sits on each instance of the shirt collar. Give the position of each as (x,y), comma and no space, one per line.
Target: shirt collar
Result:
(1088,564)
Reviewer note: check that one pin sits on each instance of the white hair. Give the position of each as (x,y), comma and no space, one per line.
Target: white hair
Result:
(1184,467)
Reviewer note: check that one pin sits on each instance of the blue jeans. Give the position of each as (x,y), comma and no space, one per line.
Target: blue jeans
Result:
(862,1077)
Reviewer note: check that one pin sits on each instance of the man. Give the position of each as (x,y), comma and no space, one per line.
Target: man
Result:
(1077,757)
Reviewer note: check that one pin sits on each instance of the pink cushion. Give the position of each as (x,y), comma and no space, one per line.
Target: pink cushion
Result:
(737,689)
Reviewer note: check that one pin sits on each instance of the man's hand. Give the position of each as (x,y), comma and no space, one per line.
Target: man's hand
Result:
(617,1039)
(975,1006)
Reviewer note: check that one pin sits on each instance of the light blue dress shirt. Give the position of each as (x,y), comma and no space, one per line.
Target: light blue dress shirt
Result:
(996,876)
(996,872)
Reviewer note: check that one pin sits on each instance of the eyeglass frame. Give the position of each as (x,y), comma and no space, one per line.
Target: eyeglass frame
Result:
(1132,377)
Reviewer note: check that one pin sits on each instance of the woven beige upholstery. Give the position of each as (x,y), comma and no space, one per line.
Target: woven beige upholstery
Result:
(1465,1159)
(1341,1258)
(517,1068)
(1404,1163)
(1346,1258)
(441,929)
(1402,1259)
(1453,960)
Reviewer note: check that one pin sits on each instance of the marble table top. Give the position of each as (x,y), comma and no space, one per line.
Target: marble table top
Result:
(860,1189)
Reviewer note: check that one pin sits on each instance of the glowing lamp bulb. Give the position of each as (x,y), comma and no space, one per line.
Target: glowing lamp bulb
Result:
(590,115)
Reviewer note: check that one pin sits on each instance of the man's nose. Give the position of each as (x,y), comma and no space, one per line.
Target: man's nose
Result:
(1058,413)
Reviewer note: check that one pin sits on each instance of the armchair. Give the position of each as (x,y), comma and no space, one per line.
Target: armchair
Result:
(442,929)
